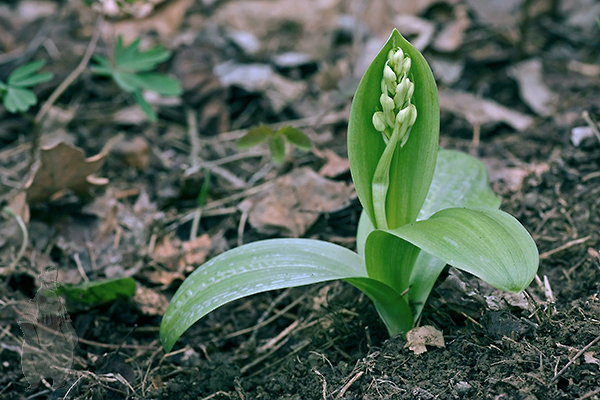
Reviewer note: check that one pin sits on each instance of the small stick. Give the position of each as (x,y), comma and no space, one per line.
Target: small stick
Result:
(562,371)
(73,75)
(347,385)
(593,126)
(565,246)
(24,232)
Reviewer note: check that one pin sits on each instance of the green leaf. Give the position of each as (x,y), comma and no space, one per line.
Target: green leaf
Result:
(33,80)
(18,99)
(485,242)
(391,306)
(277,147)
(146,108)
(256,268)
(25,71)
(126,81)
(100,291)
(131,59)
(296,137)
(159,83)
(255,136)
(412,166)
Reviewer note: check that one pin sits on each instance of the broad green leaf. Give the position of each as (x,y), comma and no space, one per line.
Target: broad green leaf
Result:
(255,136)
(256,268)
(412,166)
(25,71)
(100,291)
(485,242)
(126,81)
(460,180)
(18,99)
(133,60)
(390,260)
(33,80)
(296,137)
(159,83)
(277,147)
(391,306)
(146,108)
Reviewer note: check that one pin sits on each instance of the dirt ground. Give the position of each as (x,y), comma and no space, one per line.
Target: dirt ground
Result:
(519,88)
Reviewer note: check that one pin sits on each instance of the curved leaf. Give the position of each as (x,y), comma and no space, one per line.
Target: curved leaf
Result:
(487,243)
(391,306)
(256,268)
(413,165)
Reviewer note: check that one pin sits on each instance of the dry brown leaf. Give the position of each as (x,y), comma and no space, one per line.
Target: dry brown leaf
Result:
(451,37)
(166,22)
(480,111)
(196,250)
(167,253)
(164,278)
(335,165)
(532,88)
(295,201)
(64,166)
(149,301)
(512,176)
(418,338)
(135,152)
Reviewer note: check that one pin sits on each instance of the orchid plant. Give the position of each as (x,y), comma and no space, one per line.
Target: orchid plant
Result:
(424,208)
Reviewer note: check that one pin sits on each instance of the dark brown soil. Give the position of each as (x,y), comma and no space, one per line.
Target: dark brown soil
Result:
(337,347)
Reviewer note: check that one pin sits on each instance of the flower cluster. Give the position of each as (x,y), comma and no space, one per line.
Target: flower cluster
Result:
(398,114)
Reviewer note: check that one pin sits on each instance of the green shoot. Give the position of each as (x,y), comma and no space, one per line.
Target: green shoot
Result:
(15,94)
(277,140)
(131,70)
(424,208)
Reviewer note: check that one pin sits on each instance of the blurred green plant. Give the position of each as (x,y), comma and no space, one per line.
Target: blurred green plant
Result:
(15,94)
(132,71)
(277,140)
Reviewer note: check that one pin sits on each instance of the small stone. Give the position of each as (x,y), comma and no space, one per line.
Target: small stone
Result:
(462,388)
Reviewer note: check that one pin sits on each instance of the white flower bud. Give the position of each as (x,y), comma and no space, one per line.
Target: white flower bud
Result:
(401,92)
(386,102)
(413,115)
(403,116)
(410,91)
(406,64)
(390,78)
(397,57)
(379,121)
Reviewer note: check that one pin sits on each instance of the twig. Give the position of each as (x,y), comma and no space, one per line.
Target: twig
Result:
(74,74)
(592,124)
(562,371)
(347,385)
(19,220)
(565,246)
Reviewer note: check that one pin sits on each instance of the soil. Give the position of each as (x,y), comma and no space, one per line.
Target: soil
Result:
(335,345)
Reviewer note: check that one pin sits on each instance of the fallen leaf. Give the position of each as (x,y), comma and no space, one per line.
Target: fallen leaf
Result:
(164,278)
(64,166)
(149,301)
(261,78)
(532,88)
(512,176)
(451,36)
(418,338)
(410,25)
(196,250)
(478,111)
(166,22)
(167,253)
(335,165)
(134,152)
(295,201)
